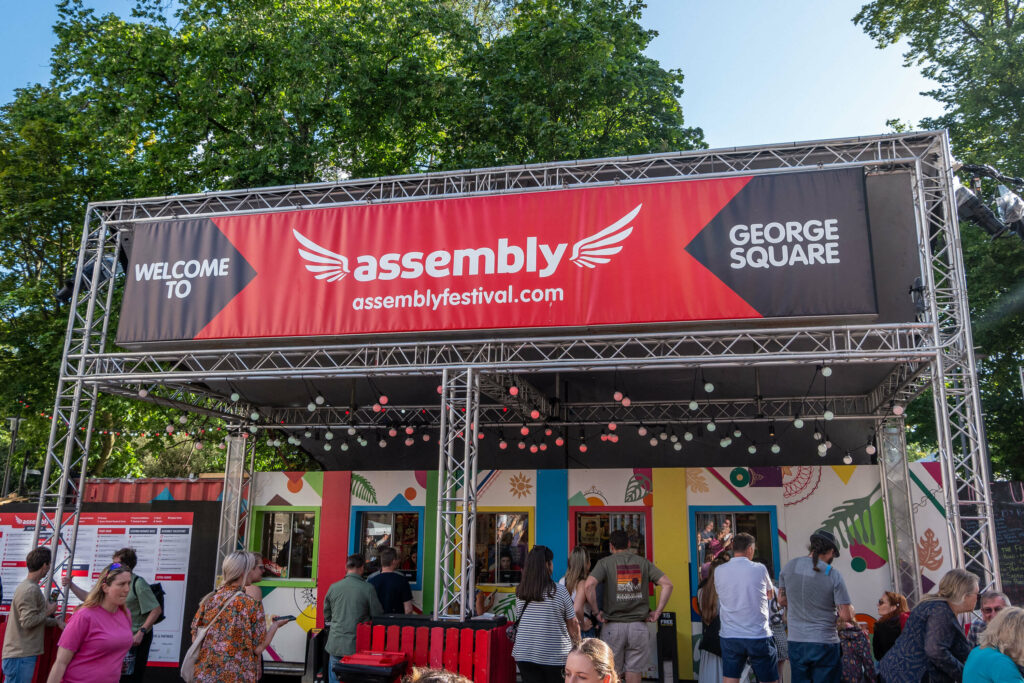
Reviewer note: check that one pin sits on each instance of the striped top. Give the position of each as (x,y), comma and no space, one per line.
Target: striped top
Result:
(542,637)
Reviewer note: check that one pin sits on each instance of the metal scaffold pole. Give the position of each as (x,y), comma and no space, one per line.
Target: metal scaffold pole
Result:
(454,582)
(903,562)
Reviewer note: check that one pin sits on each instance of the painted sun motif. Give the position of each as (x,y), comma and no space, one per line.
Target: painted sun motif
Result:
(520,485)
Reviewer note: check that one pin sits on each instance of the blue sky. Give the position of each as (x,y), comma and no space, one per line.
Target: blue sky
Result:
(756,71)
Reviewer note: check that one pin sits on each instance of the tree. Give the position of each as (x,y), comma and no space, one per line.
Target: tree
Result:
(246,93)
(972,50)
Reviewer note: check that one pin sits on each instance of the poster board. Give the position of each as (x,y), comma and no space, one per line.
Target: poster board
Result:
(162,541)
(1008,509)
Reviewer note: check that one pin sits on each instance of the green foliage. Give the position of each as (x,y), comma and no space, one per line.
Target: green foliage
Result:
(973,51)
(247,93)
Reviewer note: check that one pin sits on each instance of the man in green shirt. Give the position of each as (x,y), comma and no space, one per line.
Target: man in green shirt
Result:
(30,615)
(626,577)
(143,607)
(348,603)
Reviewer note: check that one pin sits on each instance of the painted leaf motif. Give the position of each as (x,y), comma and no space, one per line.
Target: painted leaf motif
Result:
(637,487)
(506,607)
(851,520)
(696,482)
(929,551)
(363,489)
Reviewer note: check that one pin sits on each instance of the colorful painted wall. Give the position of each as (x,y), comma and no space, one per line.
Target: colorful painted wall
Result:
(798,500)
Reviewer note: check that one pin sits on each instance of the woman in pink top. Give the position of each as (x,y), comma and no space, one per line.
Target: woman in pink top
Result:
(99,634)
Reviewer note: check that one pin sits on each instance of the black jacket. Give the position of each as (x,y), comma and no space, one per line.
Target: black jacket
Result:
(886,633)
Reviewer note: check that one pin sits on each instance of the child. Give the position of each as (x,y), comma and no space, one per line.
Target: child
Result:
(857,665)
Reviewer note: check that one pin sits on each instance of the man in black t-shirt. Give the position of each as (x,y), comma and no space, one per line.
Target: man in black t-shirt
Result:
(392,587)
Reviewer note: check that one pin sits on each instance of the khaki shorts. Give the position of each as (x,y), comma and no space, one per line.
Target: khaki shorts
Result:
(631,644)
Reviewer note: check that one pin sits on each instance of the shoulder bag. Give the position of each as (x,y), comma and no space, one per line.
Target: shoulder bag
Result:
(513,627)
(188,664)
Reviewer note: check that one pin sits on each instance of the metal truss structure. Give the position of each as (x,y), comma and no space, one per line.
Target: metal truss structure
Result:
(935,351)
(899,513)
(456,494)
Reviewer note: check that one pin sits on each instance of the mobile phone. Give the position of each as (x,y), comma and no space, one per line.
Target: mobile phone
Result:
(55,595)
(290,617)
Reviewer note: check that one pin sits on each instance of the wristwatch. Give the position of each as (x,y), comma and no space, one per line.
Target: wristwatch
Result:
(144,630)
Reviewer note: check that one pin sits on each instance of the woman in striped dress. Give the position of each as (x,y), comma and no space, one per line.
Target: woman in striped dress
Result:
(548,628)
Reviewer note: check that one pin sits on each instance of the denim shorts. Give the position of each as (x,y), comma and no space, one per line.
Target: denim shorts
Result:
(760,652)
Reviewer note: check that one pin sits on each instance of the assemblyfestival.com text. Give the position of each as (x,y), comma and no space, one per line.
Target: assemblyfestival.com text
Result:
(479,296)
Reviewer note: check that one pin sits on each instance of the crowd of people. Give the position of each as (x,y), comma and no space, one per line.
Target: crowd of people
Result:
(589,626)
(750,628)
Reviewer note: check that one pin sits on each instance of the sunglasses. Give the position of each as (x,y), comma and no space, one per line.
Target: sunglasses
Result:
(992,610)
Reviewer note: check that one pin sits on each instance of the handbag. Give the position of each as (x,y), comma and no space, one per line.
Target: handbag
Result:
(514,626)
(188,663)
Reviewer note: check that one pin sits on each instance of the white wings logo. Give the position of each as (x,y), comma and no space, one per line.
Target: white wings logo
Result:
(533,257)
(595,250)
(325,263)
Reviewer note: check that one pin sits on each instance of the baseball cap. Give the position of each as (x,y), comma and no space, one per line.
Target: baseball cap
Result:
(828,537)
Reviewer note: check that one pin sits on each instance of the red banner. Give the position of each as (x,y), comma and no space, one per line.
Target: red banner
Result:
(735,248)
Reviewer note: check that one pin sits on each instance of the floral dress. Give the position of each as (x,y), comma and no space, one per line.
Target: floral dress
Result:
(229,652)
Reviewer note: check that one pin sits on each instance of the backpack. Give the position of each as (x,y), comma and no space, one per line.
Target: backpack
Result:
(158,593)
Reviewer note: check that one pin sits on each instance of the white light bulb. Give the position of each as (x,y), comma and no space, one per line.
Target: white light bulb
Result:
(828,444)
(688,436)
(829,415)
(311,406)
(308,434)
(798,423)
(678,446)
(319,400)
(653,441)
(327,446)
(673,438)
(724,443)
(822,449)
(711,426)
(382,443)
(235,396)
(352,431)
(694,405)
(870,450)
(182,419)
(254,415)
(737,433)
(252,429)
(663,436)
(847,459)
(752,449)
(329,435)
(898,409)
(709,387)
(642,431)
(776,449)
(344,446)
(143,393)
(826,371)
(817,436)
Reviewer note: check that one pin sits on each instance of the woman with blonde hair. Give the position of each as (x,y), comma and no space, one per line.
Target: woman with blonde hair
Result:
(238,631)
(591,661)
(933,646)
(1000,655)
(576,578)
(94,643)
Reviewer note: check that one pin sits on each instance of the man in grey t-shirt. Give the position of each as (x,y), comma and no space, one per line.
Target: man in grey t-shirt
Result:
(812,591)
